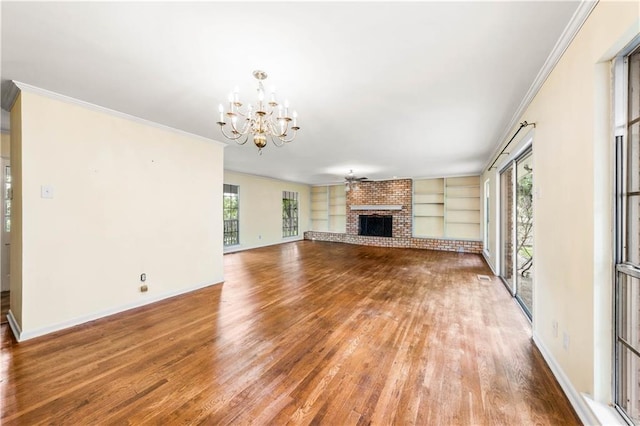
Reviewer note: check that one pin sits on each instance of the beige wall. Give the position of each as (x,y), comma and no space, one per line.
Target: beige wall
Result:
(261,209)
(128,198)
(5,147)
(15,260)
(572,158)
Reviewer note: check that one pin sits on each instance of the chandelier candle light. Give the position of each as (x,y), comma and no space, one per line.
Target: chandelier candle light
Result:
(265,120)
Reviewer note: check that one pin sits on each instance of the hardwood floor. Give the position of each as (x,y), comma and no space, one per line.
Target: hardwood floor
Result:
(300,333)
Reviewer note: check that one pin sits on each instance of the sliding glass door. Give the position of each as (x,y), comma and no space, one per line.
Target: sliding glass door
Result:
(627,296)
(516,229)
(523,252)
(507,228)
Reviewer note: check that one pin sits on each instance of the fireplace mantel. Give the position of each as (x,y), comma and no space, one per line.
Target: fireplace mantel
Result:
(376,207)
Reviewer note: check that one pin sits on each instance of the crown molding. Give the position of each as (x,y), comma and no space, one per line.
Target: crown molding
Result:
(570,31)
(67,99)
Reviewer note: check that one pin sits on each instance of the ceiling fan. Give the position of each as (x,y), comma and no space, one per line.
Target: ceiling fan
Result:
(351,180)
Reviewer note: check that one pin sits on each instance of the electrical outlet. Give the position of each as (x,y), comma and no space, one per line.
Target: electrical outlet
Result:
(554,325)
(144,288)
(46,191)
(565,341)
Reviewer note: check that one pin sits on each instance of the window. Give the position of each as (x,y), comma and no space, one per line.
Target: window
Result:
(289,214)
(627,297)
(230,215)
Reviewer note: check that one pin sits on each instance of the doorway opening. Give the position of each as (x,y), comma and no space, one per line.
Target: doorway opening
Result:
(5,243)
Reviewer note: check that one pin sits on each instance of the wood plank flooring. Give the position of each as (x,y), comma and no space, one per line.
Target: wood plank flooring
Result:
(300,333)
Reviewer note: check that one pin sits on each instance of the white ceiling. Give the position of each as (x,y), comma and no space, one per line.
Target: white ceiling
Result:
(407,89)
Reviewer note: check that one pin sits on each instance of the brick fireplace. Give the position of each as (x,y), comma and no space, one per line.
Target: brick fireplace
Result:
(395,198)
(390,193)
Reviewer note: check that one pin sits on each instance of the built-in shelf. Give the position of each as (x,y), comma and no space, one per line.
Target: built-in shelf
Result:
(376,207)
(462,211)
(428,208)
(320,208)
(447,207)
(328,209)
(337,209)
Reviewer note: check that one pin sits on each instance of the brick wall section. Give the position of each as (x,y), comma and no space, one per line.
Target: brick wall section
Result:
(396,192)
(391,192)
(418,243)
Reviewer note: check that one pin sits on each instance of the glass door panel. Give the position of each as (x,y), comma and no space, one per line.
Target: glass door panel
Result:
(524,232)
(628,293)
(506,228)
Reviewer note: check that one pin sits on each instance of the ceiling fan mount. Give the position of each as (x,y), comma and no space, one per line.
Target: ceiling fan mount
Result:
(351,180)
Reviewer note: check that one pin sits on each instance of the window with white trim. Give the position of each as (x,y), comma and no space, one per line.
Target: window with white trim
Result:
(231,214)
(289,214)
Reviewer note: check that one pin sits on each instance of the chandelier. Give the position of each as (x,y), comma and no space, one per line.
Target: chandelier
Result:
(264,120)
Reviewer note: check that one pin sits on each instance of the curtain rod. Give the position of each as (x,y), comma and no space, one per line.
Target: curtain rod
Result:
(522,125)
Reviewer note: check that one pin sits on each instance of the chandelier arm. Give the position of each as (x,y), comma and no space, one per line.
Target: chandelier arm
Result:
(285,140)
(273,128)
(231,137)
(274,139)
(280,131)
(246,138)
(245,127)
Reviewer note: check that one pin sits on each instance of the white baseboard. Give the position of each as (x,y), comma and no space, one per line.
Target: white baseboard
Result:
(486,258)
(575,398)
(606,414)
(13,325)
(234,249)
(30,334)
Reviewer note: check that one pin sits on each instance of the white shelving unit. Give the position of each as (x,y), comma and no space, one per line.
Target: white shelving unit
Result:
(447,208)
(428,208)
(319,208)
(337,209)
(328,209)
(462,213)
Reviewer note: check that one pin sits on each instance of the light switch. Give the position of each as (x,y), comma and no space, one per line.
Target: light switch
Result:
(46,191)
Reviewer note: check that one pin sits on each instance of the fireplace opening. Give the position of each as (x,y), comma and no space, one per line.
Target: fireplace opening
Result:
(375,226)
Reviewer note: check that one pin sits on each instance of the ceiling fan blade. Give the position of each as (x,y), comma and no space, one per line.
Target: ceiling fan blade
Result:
(352,178)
